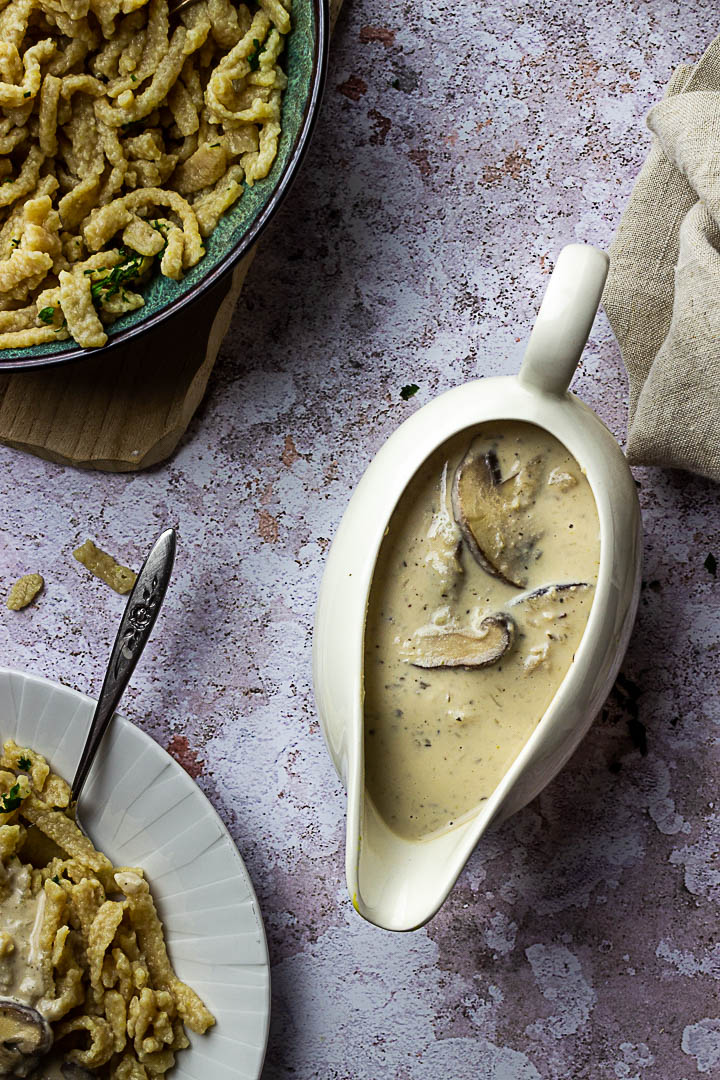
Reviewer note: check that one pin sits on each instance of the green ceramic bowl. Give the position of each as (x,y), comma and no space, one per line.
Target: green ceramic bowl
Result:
(239,228)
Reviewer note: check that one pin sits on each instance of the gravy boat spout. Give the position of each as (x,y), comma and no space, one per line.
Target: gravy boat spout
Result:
(399,883)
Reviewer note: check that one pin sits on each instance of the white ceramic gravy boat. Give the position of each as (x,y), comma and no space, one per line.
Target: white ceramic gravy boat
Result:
(396,883)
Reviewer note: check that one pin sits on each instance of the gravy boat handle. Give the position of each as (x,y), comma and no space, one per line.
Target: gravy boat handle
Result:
(564,320)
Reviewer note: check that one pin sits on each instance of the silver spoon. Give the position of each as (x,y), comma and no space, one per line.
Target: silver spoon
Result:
(175,8)
(135,628)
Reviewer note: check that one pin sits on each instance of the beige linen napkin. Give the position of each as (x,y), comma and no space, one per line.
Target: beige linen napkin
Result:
(663,291)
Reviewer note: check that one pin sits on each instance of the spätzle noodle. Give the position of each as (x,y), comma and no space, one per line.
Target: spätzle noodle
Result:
(81,940)
(123,139)
(24,591)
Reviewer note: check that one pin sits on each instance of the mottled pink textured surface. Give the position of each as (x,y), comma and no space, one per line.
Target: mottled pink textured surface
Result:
(460,146)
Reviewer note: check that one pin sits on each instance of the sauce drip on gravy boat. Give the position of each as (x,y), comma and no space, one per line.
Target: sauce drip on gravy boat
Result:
(398,882)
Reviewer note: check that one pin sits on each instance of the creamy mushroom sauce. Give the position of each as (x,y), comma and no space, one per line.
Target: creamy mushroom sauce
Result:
(439,739)
(21,915)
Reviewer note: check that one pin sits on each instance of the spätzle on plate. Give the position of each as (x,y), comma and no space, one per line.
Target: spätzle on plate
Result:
(145,811)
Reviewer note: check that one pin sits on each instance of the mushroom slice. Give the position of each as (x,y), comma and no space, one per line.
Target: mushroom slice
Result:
(551,604)
(441,647)
(25,1036)
(492,513)
(551,594)
(70,1071)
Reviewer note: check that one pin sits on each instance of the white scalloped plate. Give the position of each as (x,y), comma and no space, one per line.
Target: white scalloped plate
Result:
(142,809)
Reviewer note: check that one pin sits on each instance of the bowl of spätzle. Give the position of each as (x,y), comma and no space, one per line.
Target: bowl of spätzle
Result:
(141,155)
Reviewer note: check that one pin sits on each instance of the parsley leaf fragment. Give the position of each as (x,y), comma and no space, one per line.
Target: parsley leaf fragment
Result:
(162,228)
(46,315)
(254,57)
(11,800)
(710,565)
(24,764)
(127,270)
(409,391)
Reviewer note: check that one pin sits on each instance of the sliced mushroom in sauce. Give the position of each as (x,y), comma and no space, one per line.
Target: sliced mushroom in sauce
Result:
(553,596)
(25,1037)
(70,1071)
(443,647)
(492,513)
(551,611)
(54,1068)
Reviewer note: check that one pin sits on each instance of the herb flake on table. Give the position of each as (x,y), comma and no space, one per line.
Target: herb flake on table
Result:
(710,564)
(409,391)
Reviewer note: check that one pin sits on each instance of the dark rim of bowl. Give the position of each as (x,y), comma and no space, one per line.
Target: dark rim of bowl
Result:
(302,141)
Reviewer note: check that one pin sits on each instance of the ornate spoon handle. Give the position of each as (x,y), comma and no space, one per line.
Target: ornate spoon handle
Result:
(135,629)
